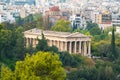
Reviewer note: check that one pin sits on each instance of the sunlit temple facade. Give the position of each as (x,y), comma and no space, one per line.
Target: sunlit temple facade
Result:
(75,43)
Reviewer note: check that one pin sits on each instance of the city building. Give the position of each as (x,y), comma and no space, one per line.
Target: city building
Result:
(116,19)
(78,21)
(72,42)
(105,20)
(51,16)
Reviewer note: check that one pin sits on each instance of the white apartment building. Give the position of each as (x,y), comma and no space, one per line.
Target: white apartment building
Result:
(6,17)
(116,19)
(77,21)
(95,16)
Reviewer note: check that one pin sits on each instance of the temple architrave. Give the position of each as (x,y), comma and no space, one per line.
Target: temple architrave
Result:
(76,43)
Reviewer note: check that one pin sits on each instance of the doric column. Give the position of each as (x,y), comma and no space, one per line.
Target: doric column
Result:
(61,45)
(70,47)
(33,42)
(80,47)
(27,42)
(30,41)
(50,42)
(53,42)
(75,47)
(57,44)
(85,48)
(65,46)
(36,41)
(89,48)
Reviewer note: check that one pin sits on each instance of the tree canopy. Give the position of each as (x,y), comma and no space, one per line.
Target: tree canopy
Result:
(62,26)
(39,66)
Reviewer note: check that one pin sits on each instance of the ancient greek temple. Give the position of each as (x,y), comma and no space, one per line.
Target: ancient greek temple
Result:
(75,43)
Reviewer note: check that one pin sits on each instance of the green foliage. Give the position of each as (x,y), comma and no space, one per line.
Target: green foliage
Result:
(106,73)
(83,74)
(87,61)
(29,18)
(31,21)
(95,31)
(6,73)
(113,54)
(1,27)
(82,31)
(39,66)
(42,44)
(116,65)
(75,61)
(101,48)
(20,45)
(53,49)
(66,59)
(5,43)
(91,25)
(62,26)
(11,44)
(103,72)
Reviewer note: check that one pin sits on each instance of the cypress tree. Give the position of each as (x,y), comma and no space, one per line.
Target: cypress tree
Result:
(113,46)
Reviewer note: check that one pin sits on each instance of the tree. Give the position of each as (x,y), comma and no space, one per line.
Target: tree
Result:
(91,25)
(62,26)
(39,66)
(95,31)
(42,44)
(11,44)
(54,49)
(6,73)
(83,74)
(19,48)
(101,48)
(28,19)
(113,46)
(93,28)
(66,59)
(5,43)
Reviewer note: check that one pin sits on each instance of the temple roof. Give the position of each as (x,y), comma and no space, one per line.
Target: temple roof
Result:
(54,33)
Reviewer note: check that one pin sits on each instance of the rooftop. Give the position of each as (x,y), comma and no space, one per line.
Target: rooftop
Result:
(54,33)
(54,8)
